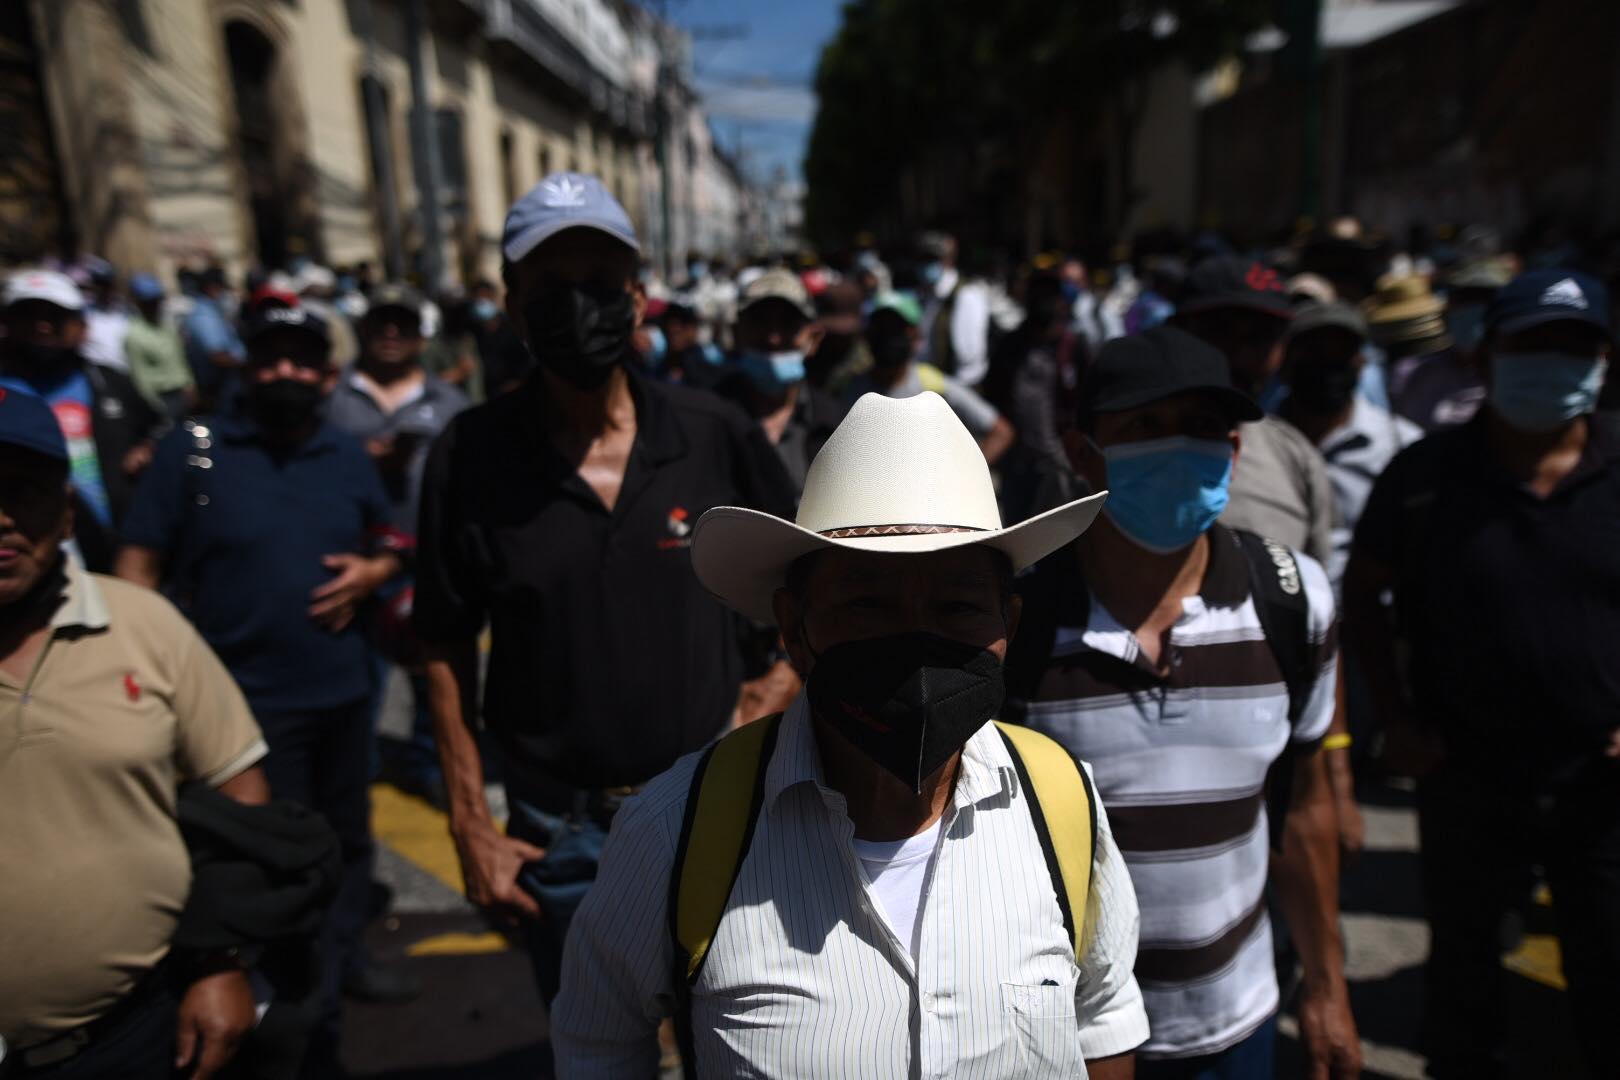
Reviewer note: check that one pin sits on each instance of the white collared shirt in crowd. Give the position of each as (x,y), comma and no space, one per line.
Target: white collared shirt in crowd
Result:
(806,976)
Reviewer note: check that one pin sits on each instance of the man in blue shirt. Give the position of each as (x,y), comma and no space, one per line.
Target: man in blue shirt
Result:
(269,528)
(213,348)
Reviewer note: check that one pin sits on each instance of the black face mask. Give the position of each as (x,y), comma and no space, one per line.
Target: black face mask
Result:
(889,350)
(908,701)
(1323,386)
(580,334)
(283,405)
(45,360)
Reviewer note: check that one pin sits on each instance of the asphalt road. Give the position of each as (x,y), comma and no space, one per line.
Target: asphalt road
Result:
(481,1018)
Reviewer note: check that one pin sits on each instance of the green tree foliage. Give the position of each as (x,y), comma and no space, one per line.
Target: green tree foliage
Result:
(905,78)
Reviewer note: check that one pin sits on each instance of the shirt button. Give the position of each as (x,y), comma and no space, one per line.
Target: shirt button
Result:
(928,1001)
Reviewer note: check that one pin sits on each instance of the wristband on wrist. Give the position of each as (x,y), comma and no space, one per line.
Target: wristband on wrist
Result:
(1339,741)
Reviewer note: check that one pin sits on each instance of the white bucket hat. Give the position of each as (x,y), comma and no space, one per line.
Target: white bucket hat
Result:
(897,476)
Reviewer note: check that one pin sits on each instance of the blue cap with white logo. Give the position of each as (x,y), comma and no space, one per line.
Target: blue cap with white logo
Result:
(564,201)
(26,421)
(1551,295)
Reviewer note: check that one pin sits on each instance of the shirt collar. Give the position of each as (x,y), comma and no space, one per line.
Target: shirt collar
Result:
(83,606)
(797,760)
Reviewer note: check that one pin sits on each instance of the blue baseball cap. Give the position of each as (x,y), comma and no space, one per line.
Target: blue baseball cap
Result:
(561,201)
(1551,295)
(26,421)
(145,287)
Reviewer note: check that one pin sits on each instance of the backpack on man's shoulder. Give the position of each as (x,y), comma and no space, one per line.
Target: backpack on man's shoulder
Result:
(726,796)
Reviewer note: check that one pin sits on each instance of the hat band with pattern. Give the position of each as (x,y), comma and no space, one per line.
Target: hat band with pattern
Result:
(896,530)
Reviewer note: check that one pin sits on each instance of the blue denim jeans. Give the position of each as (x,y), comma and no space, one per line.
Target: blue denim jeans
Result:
(1250,1059)
(558,882)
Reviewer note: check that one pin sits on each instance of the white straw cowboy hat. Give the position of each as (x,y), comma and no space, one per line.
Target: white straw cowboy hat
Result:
(897,476)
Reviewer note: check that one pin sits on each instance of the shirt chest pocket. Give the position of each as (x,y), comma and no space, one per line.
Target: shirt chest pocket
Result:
(1044,1027)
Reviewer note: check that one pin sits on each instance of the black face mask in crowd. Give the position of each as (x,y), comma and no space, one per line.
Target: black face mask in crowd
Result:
(579,333)
(1324,386)
(45,360)
(908,701)
(283,405)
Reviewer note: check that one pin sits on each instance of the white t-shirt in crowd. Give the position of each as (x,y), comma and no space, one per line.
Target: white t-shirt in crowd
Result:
(898,870)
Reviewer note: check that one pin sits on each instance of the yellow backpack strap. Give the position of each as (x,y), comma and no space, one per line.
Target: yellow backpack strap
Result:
(930,377)
(1065,812)
(722,807)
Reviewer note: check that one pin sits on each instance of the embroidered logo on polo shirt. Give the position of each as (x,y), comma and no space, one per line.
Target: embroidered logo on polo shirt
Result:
(131,687)
(680,530)
(1566,293)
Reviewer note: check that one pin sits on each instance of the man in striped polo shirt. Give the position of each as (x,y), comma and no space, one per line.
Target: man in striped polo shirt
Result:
(1143,652)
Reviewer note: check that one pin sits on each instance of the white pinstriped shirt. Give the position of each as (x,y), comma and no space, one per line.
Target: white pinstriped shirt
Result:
(806,977)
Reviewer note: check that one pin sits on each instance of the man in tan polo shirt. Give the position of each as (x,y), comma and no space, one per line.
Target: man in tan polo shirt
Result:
(108,701)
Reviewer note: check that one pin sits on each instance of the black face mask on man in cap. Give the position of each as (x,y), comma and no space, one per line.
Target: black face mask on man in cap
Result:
(580,333)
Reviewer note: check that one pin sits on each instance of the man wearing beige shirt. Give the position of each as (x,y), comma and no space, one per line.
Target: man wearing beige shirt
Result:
(108,700)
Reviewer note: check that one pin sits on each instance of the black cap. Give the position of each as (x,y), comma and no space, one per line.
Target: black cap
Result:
(267,320)
(396,297)
(1156,364)
(1544,296)
(1228,281)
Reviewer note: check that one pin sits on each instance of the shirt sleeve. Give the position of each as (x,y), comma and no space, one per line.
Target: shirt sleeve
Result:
(217,736)
(763,482)
(977,414)
(158,506)
(1378,530)
(970,332)
(618,958)
(1108,1003)
(1322,632)
(1320,503)
(449,601)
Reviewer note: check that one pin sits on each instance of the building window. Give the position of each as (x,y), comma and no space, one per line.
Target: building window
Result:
(508,168)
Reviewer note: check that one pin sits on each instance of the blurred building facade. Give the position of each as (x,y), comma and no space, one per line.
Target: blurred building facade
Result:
(164,133)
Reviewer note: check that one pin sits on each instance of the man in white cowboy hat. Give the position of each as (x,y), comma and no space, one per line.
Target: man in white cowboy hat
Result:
(892,910)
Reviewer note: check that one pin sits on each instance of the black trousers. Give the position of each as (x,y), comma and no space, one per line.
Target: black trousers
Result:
(1482,828)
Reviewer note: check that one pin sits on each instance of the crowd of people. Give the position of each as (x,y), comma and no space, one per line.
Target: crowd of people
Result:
(893,667)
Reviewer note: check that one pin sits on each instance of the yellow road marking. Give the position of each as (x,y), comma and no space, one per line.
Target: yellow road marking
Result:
(1537,958)
(413,829)
(459,945)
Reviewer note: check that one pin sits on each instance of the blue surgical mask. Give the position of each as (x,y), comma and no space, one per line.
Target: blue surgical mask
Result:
(658,346)
(1165,493)
(932,272)
(1539,392)
(772,372)
(1467,325)
(484,310)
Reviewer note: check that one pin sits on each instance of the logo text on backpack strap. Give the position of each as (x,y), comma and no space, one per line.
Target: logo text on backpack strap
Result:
(722,809)
(1061,804)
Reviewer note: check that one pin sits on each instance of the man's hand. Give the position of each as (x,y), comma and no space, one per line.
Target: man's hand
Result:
(334,604)
(215,1014)
(1410,750)
(490,864)
(1328,1032)
(138,458)
(771,693)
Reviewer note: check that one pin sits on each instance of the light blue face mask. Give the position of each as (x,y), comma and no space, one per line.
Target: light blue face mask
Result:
(1165,493)
(772,372)
(484,310)
(658,347)
(1539,392)
(932,272)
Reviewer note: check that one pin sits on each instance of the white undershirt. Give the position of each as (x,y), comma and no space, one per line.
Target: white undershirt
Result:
(898,870)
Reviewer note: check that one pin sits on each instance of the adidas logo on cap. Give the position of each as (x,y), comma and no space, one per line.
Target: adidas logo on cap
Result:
(1565,293)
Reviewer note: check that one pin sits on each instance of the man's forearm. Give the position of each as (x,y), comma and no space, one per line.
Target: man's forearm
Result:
(1307,876)
(452,679)
(1118,1067)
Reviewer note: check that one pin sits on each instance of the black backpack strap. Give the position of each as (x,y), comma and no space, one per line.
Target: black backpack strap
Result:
(1280,602)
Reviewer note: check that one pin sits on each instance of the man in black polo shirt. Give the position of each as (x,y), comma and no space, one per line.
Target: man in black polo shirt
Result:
(269,528)
(560,515)
(1500,541)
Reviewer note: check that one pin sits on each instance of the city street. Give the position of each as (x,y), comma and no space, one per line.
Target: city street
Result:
(480,1016)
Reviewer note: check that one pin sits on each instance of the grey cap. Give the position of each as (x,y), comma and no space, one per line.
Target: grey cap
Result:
(561,201)
(779,284)
(1337,315)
